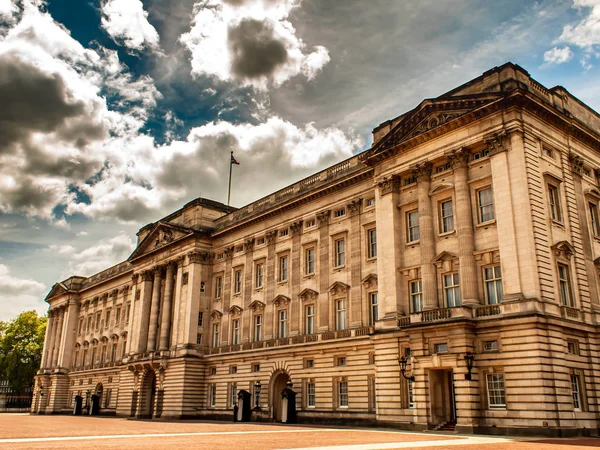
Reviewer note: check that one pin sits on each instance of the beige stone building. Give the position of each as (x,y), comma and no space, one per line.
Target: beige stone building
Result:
(470,228)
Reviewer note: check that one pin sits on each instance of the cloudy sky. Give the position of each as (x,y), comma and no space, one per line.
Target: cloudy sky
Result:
(114,113)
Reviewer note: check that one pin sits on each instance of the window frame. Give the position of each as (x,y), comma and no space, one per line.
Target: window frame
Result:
(342,393)
(454,288)
(443,216)
(481,207)
(413,233)
(309,319)
(218,286)
(282,323)
(339,254)
(257,327)
(311,394)
(372,243)
(495,281)
(216,331)
(373,307)
(554,202)
(341,313)
(594,219)
(235,331)
(259,275)
(416,294)
(565,288)
(238,278)
(309,263)
(283,268)
(576,397)
(498,385)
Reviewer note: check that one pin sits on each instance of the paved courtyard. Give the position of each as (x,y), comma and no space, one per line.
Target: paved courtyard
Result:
(23,431)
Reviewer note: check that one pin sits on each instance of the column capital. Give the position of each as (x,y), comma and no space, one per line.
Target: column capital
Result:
(323,217)
(249,245)
(296,228)
(200,257)
(576,164)
(147,275)
(229,252)
(159,270)
(134,278)
(354,206)
(458,158)
(388,184)
(496,142)
(270,236)
(422,171)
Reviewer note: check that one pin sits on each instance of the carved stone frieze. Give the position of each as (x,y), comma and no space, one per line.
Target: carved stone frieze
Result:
(270,236)
(296,228)
(216,315)
(257,306)
(458,158)
(124,290)
(422,171)
(563,249)
(496,142)
(200,257)
(281,300)
(308,295)
(134,278)
(354,206)
(323,217)
(235,310)
(229,252)
(577,163)
(338,288)
(249,245)
(388,184)
(147,275)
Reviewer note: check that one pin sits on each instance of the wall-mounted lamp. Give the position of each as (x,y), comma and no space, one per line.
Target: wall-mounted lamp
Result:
(469,359)
(403,361)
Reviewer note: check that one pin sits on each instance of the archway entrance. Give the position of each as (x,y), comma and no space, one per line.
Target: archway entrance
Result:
(99,391)
(148,395)
(278,381)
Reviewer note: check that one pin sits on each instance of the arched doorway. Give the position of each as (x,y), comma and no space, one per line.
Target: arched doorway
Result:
(277,385)
(99,391)
(148,395)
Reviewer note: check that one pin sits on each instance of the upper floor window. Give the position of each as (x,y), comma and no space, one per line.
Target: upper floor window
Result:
(283,268)
(284,232)
(554,200)
(416,296)
(595,224)
(564,285)
(216,331)
(260,273)
(481,154)
(283,319)
(493,284)
(372,243)
(443,168)
(339,212)
(446,217)
(258,323)
(200,319)
(235,331)
(340,252)
(310,261)
(310,319)
(412,226)
(237,282)
(309,223)
(451,290)
(547,151)
(374,307)
(485,205)
(340,314)
(118,315)
(260,241)
(218,287)
(371,202)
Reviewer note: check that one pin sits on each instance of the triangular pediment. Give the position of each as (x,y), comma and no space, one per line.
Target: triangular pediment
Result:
(338,288)
(563,248)
(308,294)
(57,289)
(257,305)
(370,280)
(281,300)
(162,235)
(444,256)
(235,310)
(431,117)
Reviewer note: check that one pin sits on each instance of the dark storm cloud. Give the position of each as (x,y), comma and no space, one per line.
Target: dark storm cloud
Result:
(255,50)
(31,101)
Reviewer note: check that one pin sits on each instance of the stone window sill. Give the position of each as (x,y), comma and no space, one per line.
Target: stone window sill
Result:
(446,234)
(309,276)
(413,243)
(486,224)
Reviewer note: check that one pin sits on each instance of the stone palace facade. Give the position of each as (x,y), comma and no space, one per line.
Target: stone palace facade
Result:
(449,275)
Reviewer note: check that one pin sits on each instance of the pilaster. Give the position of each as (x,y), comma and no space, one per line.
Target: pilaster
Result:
(270,282)
(355,319)
(248,283)
(146,298)
(154,309)
(165,326)
(293,322)
(324,256)
(65,359)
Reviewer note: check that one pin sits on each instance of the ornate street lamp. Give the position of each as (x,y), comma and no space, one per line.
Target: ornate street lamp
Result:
(403,361)
(469,359)
(257,388)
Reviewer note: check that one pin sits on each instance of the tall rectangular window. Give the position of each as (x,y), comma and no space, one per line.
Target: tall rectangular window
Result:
(564,285)
(340,314)
(412,226)
(258,323)
(216,331)
(374,306)
(446,217)
(576,392)
(310,261)
(451,290)
(233,395)
(416,296)
(200,319)
(554,199)
(235,331)
(372,244)
(485,205)
(118,316)
(283,268)
(343,393)
(310,394)
(283,318)
(260,274)
(595,224)
(340,252)
(310,319)
(218,287)
(107,320)
(213,395)
(411,393)
(237,282)
(493,284)
(495,390)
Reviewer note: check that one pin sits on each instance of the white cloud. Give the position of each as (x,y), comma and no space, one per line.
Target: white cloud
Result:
(19,294)
(586,33)
(10,285)
(127,22)
(7,8)
(558,55)
(251,42)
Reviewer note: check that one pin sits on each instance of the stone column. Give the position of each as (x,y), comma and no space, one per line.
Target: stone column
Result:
(428,273)
(165,325)
(48,342)
(248,283)
(147,281)
(191,302)
(227,293)
(66,355)
(296,269)
(464,229)
(355,316)
(177,326)
(154,309)
(58,336)
(389,243)
(270,282)
(324,258)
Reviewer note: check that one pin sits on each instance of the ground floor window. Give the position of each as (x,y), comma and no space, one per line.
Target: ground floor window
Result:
(576,392)
(310,394)
(495,388)
(213,395)
(411,393)
(343,393)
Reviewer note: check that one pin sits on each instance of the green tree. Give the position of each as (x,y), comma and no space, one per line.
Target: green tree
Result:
(21,346)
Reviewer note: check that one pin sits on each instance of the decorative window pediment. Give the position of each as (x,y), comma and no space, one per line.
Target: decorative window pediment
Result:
(104,339)
(486,257)
(338,288)
(412,273)
(563,249)
(216,315)
(370,280)
(308,294)
(593,192)
(257,305)
(235,310)
(442,187)
(445,261)
(281,300)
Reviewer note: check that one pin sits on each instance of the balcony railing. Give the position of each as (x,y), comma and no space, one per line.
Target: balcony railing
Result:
(487,310)
(436,314)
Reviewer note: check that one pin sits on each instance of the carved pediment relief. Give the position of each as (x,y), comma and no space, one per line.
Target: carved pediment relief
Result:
(441,187)
(235,310)
(216,315)
(433,121)
(257,305)
(563,249)
(57,289)
(338,288)
(370,280)
(445,261)
(281,300)
(162,235)
(308,295)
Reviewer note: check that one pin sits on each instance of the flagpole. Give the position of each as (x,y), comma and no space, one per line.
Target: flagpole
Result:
(230,167)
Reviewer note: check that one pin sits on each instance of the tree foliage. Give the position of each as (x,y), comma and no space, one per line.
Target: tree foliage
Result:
(21,346)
